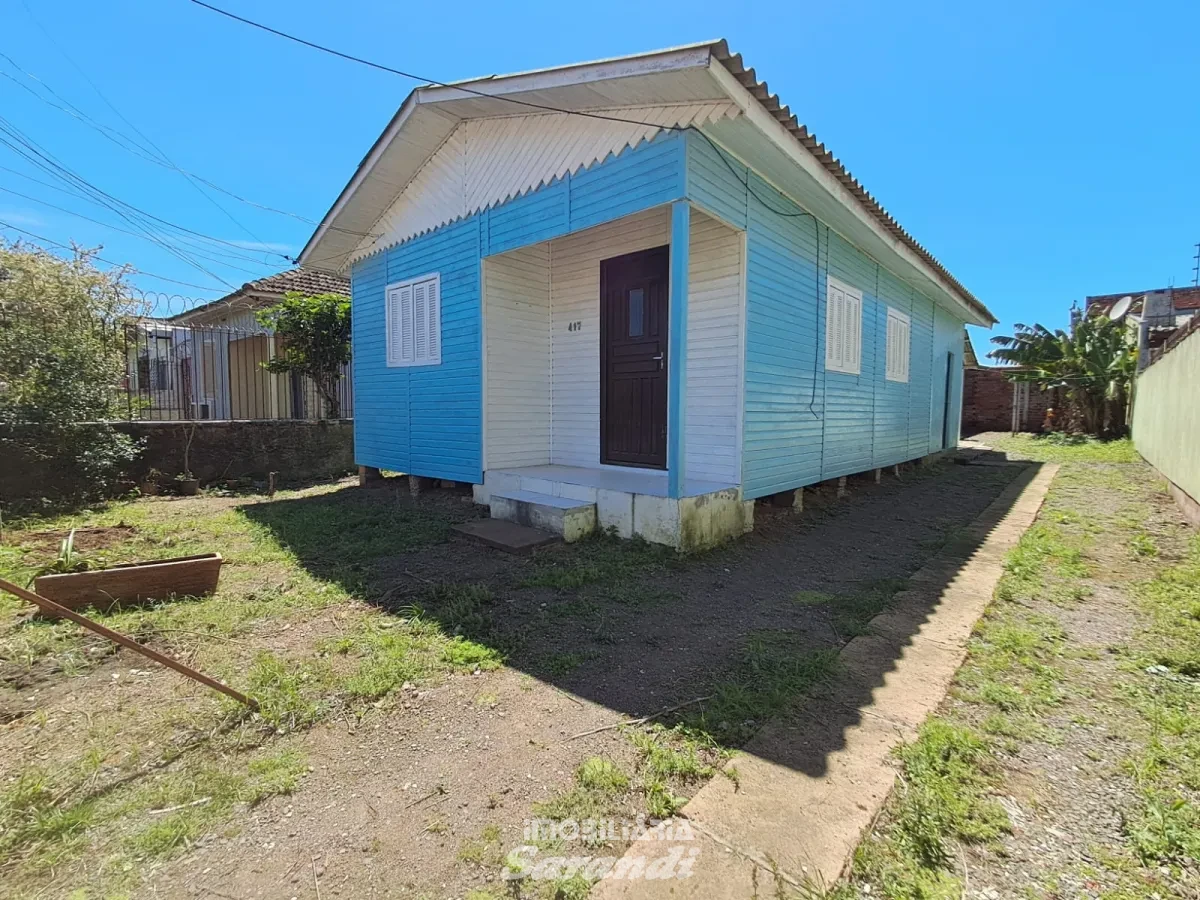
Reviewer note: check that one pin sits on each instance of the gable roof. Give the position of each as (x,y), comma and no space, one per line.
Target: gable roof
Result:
(691,74)
(264,291)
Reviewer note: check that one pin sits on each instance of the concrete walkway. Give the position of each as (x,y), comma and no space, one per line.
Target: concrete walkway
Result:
(809,787)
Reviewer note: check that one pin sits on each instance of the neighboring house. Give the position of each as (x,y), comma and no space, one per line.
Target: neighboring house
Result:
(970,360)
(1154,314)
(638,326)
(991,401)
(206,363)
(237,310)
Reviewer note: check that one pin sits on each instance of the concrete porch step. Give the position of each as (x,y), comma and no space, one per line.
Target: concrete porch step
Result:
(507,536)
(572,519)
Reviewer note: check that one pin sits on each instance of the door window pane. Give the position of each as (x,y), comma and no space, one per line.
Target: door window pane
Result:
(636,313)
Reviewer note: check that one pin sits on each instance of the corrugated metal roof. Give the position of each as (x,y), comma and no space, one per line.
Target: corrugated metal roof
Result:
(770,102)
(674,80)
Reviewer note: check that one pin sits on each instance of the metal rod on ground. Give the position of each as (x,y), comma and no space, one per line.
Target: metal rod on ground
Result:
(57,609)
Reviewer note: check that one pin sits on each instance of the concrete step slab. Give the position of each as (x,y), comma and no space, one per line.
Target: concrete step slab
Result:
(508,536)
(571,519)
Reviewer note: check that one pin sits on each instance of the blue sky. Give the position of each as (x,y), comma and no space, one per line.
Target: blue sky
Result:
(1041,151)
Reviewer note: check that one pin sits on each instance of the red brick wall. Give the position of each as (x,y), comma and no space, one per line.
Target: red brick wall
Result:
(988,398)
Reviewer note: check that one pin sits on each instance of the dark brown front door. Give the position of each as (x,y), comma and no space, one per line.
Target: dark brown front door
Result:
(633,359)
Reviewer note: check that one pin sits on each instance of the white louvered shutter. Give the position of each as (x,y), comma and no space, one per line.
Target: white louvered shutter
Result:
(414,322)
(393,326)
(899,333)
(433,307)
(853,334)
(843,328)
(420,321)
(407,351)
(834,342)
(399,326)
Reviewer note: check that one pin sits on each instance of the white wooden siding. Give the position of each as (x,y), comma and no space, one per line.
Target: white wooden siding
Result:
(712,450)
(516,312)
(542,323)
(575,354)
(487,161)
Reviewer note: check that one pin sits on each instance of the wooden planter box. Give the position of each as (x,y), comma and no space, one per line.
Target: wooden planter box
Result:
(133,583)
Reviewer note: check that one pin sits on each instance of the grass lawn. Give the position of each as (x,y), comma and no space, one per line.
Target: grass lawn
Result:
(421,697)
(112,774)
(1066,762)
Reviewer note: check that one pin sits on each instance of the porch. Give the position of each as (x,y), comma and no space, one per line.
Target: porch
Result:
(612,372)
(612,375)
(574,501)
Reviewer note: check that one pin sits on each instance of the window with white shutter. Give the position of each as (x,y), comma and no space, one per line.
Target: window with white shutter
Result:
(414,322)
(899,330)
(843,328)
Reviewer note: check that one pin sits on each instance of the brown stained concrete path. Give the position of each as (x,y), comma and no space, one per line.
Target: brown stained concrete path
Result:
(809,787)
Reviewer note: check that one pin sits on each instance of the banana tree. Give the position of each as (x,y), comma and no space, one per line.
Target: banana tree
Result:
(1095,364)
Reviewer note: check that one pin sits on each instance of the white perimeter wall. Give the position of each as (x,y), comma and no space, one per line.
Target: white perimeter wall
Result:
(542,337)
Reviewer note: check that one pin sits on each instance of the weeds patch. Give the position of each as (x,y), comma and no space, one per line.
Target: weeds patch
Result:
(942,797)
(1066,448)
(773,670)
(599,791)
(601,558)
(851,613)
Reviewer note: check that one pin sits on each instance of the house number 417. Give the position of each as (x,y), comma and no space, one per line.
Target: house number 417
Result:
(574,326)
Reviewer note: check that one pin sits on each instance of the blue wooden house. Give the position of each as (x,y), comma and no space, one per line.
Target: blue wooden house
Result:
(634,294)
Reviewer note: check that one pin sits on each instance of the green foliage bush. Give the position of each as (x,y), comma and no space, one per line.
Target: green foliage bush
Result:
(315,336)
(61,365)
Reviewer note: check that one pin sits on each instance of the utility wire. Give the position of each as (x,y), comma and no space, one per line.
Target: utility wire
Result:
(120,230)
(53,167)
(132,147)
(466,90)
(46,162)
(138,131)
(745,182)
(133,270)
(78,195)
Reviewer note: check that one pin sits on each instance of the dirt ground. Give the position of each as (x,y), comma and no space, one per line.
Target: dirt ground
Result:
(422,790)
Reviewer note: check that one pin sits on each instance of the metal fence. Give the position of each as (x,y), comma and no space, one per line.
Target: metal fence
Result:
(186,372)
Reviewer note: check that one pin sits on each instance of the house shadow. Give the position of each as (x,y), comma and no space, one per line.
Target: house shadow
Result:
(752,626)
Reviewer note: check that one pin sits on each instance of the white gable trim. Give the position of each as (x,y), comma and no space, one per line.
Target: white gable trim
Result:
(485,162)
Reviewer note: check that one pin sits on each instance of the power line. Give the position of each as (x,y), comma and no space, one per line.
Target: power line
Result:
(432,81)
(120,230)
(46,162)
(466,90)
(132,147)
(78,195)
(13,132)
(137,130)
(135,216)
(133,270)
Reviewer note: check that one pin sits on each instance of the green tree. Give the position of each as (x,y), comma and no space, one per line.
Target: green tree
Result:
(62,360)
(314,334)
(1095,364)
